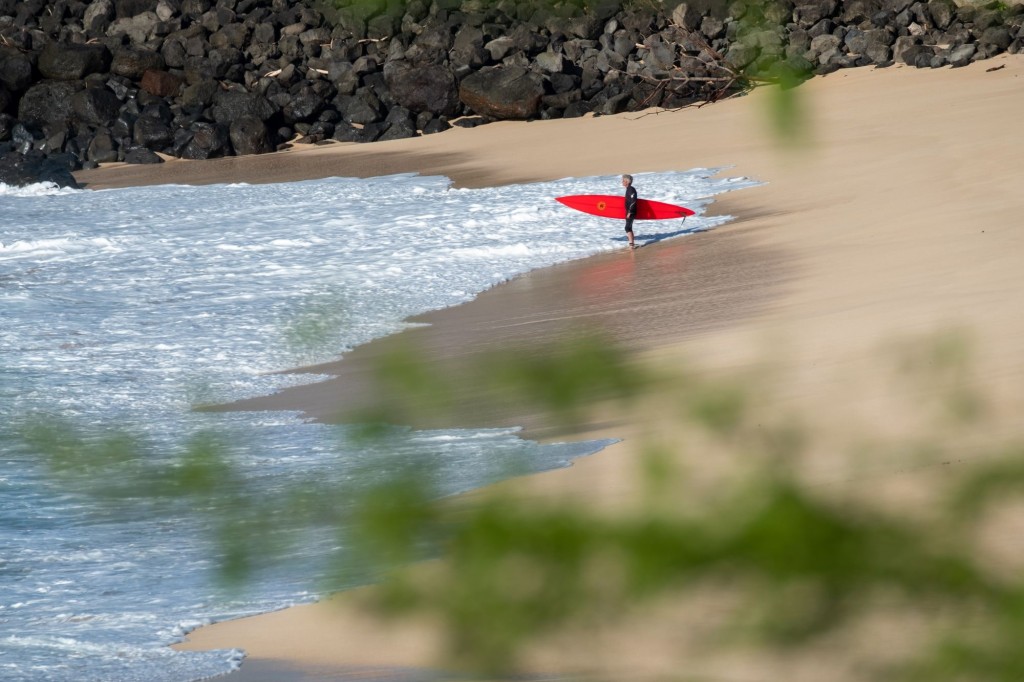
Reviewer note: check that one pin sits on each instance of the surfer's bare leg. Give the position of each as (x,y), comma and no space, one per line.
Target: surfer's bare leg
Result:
(629,232)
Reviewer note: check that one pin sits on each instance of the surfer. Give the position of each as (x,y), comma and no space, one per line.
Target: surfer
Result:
(631,200)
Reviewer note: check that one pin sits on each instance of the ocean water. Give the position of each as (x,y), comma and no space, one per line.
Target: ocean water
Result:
(125,308)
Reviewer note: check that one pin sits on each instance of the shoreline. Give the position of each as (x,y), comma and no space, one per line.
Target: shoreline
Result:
(880,227)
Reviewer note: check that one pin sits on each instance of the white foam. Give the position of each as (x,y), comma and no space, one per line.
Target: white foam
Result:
(38,189)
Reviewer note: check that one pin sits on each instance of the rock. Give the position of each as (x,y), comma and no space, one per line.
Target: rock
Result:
(15,70)
(400,125)
(549,62)
(468,48)
(304,105)
(138,29)
(942,13)
(961,56)
(249,135)
(234,35)
(436,125)
(152,133)
(229,105)
(161,83)
(345,132)
(26,169)
(687,16)
(999,36)
(902,44)
(209,141)
(130,8)
(131,62)
(919,56)
(199,95)
(807,13)
(141,155)
(98,16)
(65,61)
(502,93)
(102,148)
(47,101)
(342,75)
(360,108)
(740,56)
(422,88)
(95,106)
(499,48)
(6,125)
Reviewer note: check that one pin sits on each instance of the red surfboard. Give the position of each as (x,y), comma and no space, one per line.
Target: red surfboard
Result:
(614,206)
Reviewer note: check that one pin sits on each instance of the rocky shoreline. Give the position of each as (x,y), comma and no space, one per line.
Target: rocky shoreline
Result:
(120,80)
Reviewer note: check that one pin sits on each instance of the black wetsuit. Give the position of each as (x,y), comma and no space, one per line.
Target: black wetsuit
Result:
(631,200)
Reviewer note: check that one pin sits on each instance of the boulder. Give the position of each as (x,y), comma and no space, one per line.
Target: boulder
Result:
(130,8)
(161,83)
(229,105)
(71,62)
(138,29)
(468,48)
(361,108)
(999,36)
(47,101)
(131,62)
(249,135)
(152,133)
(961,56)
(15,70)
(98,16)
(400,125)
(422,88)
(26,169)
(942,13)
(502,92)
(199,95)
(140,155)
(102,148)
(807,13)
(234,35)
(209,141)
(95,106)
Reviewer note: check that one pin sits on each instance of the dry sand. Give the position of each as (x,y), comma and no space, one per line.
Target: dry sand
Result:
(899,219)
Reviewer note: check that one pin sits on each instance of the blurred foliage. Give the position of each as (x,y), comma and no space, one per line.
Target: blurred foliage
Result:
(799,564)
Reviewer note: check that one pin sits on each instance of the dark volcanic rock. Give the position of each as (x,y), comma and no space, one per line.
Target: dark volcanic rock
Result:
(102,148)
(47,101)
(65,61)
(141,155)
(132,62)
(209,140)
(95,106)
(6,125)
(249,135)
(400,125)
(423,88)
(15,70)
(502,92)
(26,169)
(129,8)
(161,83)
(230,105)
(152,133)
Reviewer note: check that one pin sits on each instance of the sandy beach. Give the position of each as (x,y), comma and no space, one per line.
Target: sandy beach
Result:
(897,218)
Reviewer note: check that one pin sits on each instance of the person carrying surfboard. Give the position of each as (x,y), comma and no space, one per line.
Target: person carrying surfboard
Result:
(631,202)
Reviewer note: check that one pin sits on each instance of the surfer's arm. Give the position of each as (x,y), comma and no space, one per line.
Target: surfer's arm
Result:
(631,197)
